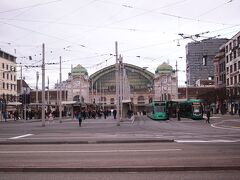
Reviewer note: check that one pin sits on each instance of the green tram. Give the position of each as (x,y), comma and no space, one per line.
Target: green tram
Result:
(192,108)
(162,110)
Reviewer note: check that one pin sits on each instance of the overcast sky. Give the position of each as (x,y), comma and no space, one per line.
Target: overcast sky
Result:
(84,32)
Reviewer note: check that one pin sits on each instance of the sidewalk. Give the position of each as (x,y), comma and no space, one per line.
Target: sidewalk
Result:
(93,131)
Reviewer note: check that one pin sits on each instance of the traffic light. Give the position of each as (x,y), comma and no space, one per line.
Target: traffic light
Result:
(27,98)
(21,98)
(24,98)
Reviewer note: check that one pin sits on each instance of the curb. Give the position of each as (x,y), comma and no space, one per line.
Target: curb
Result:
(119,169)
(89,142)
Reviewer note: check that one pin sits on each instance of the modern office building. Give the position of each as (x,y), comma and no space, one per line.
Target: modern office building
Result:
(199,59)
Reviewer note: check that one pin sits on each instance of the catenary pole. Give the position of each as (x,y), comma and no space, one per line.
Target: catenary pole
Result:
(60,95)
(43,85)
(117,84)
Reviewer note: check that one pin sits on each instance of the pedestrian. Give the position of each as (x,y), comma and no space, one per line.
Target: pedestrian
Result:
(50,119)
(114,113)
(79,117)
(178,114)
(132,117)
(5,115)
(208,115)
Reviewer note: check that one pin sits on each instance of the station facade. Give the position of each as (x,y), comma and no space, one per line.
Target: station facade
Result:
(140,86)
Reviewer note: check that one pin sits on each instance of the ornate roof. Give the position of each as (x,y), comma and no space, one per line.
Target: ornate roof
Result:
(79,71)
(164,68)
(111,68)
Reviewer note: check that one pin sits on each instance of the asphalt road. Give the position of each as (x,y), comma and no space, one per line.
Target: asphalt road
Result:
(105,149)
(189,175)
(137,155)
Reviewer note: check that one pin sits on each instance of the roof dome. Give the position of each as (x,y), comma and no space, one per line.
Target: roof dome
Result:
(164,68)
(79,71)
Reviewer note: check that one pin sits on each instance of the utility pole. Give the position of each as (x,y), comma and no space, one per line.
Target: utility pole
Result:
(48,102)
(43,85)
(21,90)
(72,91)
(37,86)
(23,93)
(117,84)
(121,85)
(177,79)
(60,96)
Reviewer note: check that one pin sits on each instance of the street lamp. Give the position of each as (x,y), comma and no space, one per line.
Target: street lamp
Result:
(186,90)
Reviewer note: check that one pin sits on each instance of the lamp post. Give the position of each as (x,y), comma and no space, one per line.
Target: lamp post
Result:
(186,90)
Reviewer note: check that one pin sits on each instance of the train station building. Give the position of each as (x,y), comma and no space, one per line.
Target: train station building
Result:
(138,85)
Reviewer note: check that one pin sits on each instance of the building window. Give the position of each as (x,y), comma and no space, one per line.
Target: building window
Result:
(234,42)
(3,65)
(7,76)
(227,70)
(103,100)
(141,100)
(227,59)
(226,48)
(231,69)
(235,66)
(235,79)
(3,85)
(231,81)
(112,101)
(204,60)
(235,54)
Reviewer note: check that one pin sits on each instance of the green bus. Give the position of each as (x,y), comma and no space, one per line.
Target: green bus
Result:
(192,108)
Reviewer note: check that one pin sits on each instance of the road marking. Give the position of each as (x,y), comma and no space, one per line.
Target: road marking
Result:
(22,136)
(207,141)
(100,151)
(219,126)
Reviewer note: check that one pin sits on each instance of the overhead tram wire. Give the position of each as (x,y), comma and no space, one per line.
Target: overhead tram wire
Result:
(47,35)
(65,15)
(115,22)
(166,14)
(213,9)
(31,6)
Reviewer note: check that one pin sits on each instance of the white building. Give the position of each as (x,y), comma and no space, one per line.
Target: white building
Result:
(8,80)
